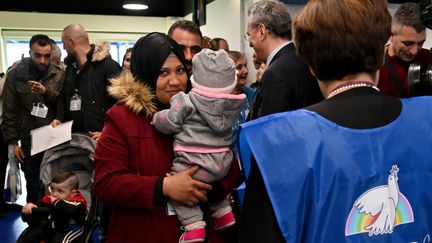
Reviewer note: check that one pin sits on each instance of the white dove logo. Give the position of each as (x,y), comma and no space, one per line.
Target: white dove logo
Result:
(375,210)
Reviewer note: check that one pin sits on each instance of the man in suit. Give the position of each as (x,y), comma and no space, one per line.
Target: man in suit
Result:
(287,83)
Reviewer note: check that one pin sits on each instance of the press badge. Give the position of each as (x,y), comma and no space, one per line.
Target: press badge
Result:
(170,209)
(39,110)
(75,103)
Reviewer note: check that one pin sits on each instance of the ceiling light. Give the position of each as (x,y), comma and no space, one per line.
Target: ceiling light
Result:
(135,6)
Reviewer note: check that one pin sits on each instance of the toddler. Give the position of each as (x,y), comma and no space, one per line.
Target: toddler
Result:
(60,214)
(202,123)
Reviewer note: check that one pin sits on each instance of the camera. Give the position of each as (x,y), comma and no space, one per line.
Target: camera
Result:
(420,79)
(426,13)
(420,75)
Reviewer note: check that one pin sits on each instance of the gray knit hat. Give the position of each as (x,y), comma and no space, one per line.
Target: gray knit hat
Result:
(213,71)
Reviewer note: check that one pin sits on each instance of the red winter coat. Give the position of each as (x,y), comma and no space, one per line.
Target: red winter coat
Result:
(131,154)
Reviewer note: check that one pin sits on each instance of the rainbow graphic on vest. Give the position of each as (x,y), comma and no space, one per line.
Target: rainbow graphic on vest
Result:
(357,222)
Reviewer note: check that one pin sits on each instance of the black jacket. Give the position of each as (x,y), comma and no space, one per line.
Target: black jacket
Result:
(287,84)
(18,100)
(91,84)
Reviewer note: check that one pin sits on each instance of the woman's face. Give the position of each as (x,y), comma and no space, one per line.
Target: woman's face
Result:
(172,79)
(260,72)
(126,62)
(242,71)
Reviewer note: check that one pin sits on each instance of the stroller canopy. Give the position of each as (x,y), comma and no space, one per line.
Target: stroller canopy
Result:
(75,155)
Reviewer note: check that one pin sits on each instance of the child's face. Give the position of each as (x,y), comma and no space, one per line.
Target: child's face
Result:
(61,191)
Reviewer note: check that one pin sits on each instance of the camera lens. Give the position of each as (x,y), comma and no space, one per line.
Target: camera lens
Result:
(414,73)
(420,79)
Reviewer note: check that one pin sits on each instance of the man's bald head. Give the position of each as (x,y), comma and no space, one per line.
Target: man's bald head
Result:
(75,40)
(76,32)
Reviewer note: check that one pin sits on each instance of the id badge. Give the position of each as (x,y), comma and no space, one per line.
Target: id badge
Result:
(39,110)
(170,209)
(75,103)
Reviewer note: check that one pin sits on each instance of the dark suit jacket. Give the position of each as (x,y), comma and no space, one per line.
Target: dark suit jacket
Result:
(287,84)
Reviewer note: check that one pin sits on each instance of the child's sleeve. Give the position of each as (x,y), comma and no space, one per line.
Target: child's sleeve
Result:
(71,209)
(171,120)
(46,200)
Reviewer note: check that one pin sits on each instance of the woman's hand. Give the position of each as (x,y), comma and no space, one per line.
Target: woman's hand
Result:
(94,135)
(182,188)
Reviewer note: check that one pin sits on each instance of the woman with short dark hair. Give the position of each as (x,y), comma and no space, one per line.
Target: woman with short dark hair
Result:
(341,170)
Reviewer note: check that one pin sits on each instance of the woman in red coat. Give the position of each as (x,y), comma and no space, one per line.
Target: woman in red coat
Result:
(132,157)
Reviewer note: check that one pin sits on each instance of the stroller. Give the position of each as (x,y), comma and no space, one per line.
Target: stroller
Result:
(77,156)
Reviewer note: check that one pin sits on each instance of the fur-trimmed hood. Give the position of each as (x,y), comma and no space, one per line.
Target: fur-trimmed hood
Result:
(136,96)
(101,51)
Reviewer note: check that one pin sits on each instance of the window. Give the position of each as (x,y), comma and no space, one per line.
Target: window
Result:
(17,43)
(118,49)
(16,50)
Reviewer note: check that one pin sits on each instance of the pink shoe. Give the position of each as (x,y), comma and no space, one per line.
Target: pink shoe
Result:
(193,236)
(224,221)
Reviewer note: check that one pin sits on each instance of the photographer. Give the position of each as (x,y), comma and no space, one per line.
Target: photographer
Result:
(406,41)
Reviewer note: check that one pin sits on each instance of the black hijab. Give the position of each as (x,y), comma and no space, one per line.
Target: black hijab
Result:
(149,54)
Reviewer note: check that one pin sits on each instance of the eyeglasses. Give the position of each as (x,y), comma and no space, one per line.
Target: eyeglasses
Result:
(247,37)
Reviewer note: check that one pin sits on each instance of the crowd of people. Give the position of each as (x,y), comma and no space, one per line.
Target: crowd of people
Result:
(321,136)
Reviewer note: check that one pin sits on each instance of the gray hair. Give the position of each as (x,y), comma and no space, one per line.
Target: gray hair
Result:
(56,52)
(408,14)
(273,15)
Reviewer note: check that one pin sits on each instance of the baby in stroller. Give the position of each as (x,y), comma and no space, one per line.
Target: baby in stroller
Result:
(60,215)
(75,156)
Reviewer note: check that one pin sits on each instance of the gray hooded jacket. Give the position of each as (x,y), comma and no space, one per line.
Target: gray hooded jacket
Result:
(201,122)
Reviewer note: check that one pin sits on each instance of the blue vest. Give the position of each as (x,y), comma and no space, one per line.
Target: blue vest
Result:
(329,183)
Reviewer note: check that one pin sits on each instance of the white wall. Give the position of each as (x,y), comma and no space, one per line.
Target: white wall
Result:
(227,19)
(223,20)
(21,20)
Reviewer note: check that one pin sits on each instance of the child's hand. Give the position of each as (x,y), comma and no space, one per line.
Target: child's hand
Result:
(53,199)
(27,209)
